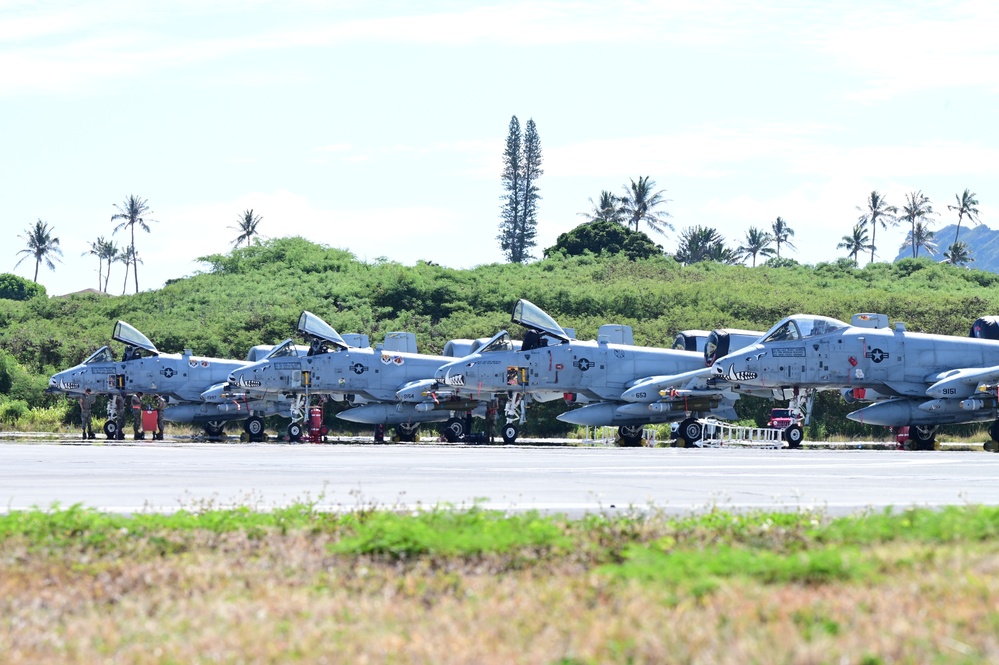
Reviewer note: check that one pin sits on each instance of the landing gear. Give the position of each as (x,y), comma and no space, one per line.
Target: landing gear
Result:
(509,433)
(454,430)
(254,428)
(993,445)
(406,432)
(922,436)
(689,433)
(111,429)
(794,434)
(294,432)
(630,435)
(214,429)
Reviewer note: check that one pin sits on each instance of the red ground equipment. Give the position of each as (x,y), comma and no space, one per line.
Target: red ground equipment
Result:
(317,431)
(149,420)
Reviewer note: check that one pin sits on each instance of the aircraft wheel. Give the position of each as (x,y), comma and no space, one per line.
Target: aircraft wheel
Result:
(509,433)
(994,431)
(454,430)
(631,436)
(794,435)
(689,432)
(406,432)
(922,437)
(214,429)
(254,427)
(110,429)
(294,432)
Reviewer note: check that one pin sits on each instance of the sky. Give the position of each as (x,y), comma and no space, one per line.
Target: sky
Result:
(379,127)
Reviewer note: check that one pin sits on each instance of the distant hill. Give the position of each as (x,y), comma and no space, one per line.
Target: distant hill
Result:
(983,243)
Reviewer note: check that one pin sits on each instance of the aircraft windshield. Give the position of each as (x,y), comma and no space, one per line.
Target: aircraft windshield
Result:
(101,355)
(126,334)
(311,325)
(285,349)
(802,327)
(500,342)
(531,316)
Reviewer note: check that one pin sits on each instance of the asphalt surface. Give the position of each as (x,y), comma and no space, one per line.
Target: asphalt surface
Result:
(129,477)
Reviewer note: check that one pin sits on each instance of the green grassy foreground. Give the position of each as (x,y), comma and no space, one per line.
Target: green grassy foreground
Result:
(475,586)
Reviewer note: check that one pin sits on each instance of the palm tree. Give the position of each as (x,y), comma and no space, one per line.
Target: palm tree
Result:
(701,243)
(132,212)
(247,227)
(639,204)
(95,250)
(959,254)
(878,211)
(917,211)
(856,242)
(757,243)
(920,236)
(782,234)
(967,206)
(129,258)
(109,252)
(41,245)
(608,208)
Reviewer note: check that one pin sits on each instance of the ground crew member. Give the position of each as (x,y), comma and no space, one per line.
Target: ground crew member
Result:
(137,415)
(86,405)
(160,406)
(119,415)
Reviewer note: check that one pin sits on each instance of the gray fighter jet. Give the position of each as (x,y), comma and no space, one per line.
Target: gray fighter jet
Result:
(551,364)
(384,386)
(189,383)
(913,379)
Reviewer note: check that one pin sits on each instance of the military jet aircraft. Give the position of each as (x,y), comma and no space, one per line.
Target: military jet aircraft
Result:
(189,383)
(551,364)
(913,379)
(385,386)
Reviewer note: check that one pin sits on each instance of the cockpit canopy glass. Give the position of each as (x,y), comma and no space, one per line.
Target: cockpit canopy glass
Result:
(101,355)
(126,334)
(311,325)
(803,327)
(500,342)
(285,349)
(531,316)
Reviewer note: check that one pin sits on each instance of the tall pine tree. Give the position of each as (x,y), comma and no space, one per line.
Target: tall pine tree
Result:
(521,168)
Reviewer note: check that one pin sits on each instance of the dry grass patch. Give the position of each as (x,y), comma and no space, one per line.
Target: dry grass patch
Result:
(570,593)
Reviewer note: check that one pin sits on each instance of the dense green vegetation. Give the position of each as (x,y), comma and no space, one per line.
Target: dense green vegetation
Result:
(254,295)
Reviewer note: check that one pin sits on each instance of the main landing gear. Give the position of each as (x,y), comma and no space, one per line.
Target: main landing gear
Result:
(407,432)
(254,428)
(630,436)
(689,433)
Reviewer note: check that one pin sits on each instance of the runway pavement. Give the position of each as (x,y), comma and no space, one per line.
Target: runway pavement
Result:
(126,477)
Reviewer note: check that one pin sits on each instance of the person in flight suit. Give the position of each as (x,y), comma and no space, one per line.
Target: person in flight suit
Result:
(137,416)
(119,415)
(86,406)
(160,404)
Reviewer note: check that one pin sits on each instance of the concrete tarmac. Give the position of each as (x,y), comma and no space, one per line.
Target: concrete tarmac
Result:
(128,477)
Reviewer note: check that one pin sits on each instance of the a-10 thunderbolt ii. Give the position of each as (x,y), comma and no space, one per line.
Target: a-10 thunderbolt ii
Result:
(913,379)
(594,373)
(373,381)
(191,384)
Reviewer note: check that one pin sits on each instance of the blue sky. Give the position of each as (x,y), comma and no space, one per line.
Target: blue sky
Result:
(378,127)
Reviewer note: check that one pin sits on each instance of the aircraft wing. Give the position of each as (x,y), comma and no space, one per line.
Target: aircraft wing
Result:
(648,389)
(960,382)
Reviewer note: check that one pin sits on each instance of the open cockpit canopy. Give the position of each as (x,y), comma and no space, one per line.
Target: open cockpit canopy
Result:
(129,336)
(803,326)
(534,318)
(315,328)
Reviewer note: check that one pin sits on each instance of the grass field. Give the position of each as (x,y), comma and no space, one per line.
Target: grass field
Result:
(473,586)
